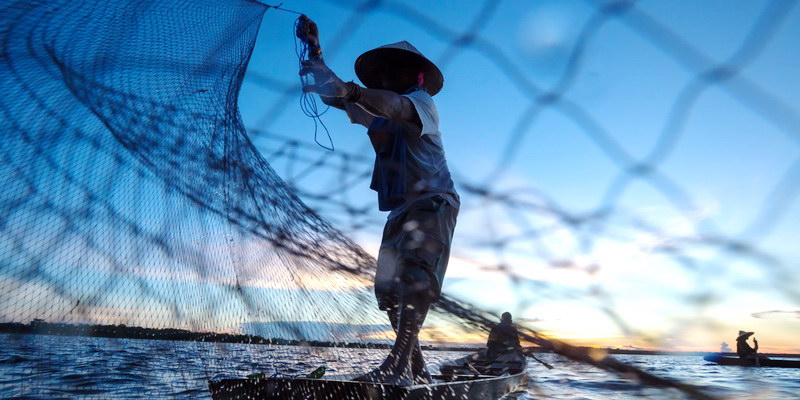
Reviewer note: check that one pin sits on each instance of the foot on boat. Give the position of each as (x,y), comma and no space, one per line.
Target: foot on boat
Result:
(385,377)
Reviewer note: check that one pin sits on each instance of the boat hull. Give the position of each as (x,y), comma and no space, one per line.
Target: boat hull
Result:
(454,387)
(775,363)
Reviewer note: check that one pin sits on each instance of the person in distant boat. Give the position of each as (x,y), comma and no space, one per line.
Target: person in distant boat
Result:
(411,178)
(746,352)
(503,339)
(743,349)
(503,353)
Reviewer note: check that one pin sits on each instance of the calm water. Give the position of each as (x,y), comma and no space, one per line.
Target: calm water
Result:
(50,367)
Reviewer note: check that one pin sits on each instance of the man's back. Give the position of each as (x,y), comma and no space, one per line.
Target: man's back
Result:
(743,349)
(503,339)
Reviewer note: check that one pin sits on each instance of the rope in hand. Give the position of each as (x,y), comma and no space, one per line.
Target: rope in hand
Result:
(307,101)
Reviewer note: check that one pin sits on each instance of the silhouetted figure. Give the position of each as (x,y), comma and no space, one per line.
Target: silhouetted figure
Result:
(412,180)
(743,349)
(503,353)
(747,353)
(503,339)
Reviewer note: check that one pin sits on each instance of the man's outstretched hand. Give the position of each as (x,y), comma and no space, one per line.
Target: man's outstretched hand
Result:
(326,83)
(307,31)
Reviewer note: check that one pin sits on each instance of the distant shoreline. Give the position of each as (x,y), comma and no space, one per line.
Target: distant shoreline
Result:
(687,353)
(40,327)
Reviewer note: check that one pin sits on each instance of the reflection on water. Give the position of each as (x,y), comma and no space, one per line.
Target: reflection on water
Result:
(577,381)
(49,367)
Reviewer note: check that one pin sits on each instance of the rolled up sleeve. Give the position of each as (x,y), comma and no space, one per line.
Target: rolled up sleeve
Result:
(426,110)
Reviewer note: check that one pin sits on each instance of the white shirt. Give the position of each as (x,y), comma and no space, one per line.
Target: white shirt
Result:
(427,174)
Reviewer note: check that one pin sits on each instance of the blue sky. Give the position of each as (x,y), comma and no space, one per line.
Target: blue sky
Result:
(625,82)
(628,173)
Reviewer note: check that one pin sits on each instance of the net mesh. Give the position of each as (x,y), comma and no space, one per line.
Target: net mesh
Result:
(132,196)
(134,203)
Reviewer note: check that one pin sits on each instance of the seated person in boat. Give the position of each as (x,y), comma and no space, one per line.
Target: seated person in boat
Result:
(503,353)
(411,178)
(744,350)
(503,339)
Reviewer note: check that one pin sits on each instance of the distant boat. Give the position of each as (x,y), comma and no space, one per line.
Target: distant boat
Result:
(772,362)
(445,387)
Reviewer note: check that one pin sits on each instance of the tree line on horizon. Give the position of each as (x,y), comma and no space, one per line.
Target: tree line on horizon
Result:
(122,331)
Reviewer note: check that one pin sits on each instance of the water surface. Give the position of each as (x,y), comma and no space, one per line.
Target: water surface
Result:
(49,367)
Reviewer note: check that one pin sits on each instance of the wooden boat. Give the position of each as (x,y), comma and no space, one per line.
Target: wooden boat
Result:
(445,387)
(765,362)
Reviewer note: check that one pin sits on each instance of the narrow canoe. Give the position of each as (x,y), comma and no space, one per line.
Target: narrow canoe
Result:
(459,387)
(772,362)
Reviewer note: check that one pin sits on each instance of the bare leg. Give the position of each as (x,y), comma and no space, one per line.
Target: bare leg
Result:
(419,371)
(410,316)
(418,368)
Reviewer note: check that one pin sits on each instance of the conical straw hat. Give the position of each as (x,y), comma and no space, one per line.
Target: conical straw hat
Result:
(744,335)
(401,62)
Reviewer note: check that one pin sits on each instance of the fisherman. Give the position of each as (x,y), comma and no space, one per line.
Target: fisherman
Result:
(743,349)
(503,339)
(503,353)
(746,353)
(411,178)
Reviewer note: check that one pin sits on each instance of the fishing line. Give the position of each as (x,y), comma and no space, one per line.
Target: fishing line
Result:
(280,7)
(307,101)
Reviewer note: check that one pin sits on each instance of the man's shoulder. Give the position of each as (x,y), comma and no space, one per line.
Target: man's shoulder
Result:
(426,111)
(420,95)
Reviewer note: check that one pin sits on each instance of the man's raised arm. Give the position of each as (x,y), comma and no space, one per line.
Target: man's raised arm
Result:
(378,102)
(386,104)
(333,91)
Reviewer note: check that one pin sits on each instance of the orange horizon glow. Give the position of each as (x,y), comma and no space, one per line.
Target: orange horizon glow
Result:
(439,336)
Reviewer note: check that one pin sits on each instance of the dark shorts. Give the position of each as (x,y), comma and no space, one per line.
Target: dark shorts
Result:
(415,250)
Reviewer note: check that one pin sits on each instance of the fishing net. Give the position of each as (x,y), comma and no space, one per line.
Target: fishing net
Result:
(132,197)
(135,206)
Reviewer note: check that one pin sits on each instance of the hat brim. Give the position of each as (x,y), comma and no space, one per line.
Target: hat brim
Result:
(745,335)
(401,66)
